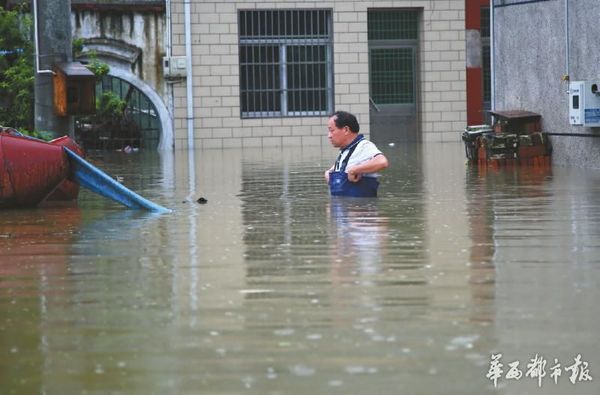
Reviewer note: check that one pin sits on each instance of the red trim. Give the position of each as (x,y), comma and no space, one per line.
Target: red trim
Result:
(473,13)
(474,96)
(474,81)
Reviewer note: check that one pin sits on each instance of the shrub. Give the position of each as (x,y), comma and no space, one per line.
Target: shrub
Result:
(16,70)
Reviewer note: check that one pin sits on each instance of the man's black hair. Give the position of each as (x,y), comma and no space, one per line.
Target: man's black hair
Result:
(344,118)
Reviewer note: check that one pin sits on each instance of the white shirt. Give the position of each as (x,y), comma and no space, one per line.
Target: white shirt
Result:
(364,151)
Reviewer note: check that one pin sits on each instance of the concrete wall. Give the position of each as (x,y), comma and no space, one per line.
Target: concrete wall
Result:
(530,62)
(215,73)
(131,38)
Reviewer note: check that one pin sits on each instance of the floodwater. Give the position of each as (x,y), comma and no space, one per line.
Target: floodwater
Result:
(273,287)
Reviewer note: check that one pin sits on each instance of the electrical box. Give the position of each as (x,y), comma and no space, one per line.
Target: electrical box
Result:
(575,99)
(174,66)
(584,103)
(74,89)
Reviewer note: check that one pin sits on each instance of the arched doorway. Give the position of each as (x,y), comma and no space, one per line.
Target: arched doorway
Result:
(125,118)
(134,119)
(165,137)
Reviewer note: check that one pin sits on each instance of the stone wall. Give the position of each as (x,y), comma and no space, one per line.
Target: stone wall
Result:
(131,37)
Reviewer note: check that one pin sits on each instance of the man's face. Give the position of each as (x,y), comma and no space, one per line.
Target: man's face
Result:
(337,136)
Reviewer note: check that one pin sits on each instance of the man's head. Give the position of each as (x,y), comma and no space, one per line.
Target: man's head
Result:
(343,128)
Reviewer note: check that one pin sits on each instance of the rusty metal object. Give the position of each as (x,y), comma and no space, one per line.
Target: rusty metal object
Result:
(515,138)
(68,190)
(30,170)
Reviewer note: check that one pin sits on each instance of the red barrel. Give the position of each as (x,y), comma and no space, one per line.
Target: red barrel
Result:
(30,170)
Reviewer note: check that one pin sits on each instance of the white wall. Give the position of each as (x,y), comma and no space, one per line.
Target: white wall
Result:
(217,122)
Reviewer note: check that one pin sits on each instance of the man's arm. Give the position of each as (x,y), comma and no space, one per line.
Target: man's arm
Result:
(373,165)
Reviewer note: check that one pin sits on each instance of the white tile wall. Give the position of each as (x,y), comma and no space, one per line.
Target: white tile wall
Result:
(441,80)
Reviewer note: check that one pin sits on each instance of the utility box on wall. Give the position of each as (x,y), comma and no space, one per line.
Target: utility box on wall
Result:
(584,103)
(74,89)
(174,66)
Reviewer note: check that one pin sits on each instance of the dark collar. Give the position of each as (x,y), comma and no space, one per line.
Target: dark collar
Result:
(356,140)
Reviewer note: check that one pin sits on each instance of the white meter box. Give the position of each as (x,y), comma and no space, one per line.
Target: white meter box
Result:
(175,66)
(584,103)
(575,103)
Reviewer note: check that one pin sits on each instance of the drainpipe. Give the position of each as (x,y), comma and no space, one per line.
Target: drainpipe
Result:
(566,76)
(169,84)
(492,57)
(168,16)
(188,55)
(194,280)
(36,41)
(190,100)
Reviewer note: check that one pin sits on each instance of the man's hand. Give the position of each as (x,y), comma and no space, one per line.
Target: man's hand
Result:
(376,163)
(353,175)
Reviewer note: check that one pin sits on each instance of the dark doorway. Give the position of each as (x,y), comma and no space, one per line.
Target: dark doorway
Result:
(392,75)
(126,118)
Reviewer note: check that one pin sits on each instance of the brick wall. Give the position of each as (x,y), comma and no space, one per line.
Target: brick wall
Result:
(441,79)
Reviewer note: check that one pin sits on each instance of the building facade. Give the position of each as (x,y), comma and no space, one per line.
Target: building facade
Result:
(265,73)
(129,36)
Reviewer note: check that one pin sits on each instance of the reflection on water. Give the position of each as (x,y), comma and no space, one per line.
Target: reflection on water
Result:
(359,235)
(273,287)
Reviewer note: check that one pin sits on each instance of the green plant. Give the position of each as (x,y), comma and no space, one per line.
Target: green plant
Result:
(100,69)
(109,107)
(38,134)
(16,88)
(77,46)
(16,70)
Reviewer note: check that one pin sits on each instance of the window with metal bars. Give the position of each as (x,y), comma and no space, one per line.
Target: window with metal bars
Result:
(392,24)
(485,55)
(285,63)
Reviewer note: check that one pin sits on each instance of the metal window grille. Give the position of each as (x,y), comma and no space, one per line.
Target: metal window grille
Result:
(392,41)
(285,63)
(485,55)
(485,22)
(393,24)
(392,76)
(140,109)
(487,78)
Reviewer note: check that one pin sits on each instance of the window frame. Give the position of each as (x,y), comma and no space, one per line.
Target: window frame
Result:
(284,42)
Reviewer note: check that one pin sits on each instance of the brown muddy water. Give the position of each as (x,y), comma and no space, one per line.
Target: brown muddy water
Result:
(273,287)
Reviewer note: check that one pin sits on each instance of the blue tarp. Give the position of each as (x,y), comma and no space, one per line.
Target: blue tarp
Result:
(94,179)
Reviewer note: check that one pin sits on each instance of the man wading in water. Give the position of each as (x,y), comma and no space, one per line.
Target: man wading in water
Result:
(355,170)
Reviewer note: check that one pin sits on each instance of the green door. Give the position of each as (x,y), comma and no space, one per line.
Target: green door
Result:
(392,75)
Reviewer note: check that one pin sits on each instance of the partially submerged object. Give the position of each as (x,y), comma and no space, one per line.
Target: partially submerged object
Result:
(514,138)
(33,172)
(94,179)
